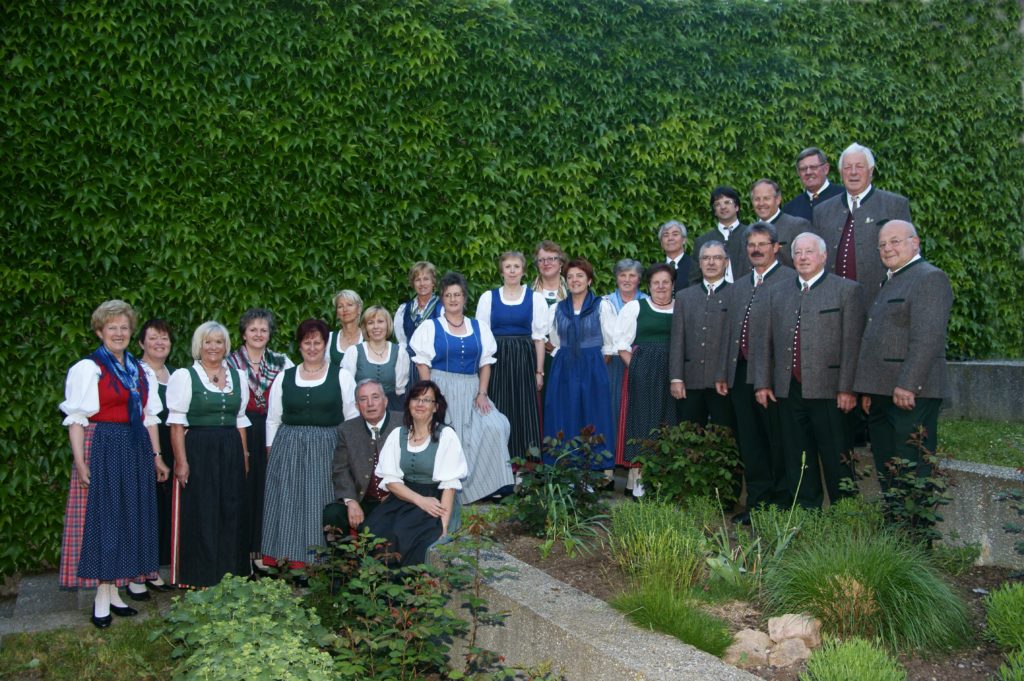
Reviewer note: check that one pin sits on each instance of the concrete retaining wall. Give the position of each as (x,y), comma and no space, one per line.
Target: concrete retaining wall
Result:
(974,515)
(989,390)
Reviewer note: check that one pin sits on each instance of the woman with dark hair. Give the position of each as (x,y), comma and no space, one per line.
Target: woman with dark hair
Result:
(457,353)
(628,273)
(110,527)
(377,357)
(642,334)
(421,465)
(307,402)
(261,367)
(209,516)
(577,390)
(518,318)
(424,306)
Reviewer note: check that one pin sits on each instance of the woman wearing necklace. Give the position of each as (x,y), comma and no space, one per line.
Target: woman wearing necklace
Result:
(307,402)
(155,339)
(641,337)
(110,525)
(209,525)
(347,306)
(378,358)
(550,260)
(627,288)
(422,307)
(457,353)
(421,465)
(260,366)
(577,395)
(518,318)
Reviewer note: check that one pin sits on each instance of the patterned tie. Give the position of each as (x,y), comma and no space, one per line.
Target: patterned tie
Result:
(814,197)
(797,374)
(846,254)
(758,280)
(374,491)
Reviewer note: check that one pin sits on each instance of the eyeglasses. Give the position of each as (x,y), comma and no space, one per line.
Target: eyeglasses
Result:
(709,258)
(547,260)
(422,400)
(803,170)
(723,203)
(894,243)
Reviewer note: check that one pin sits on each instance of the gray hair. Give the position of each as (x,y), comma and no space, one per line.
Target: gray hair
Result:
(369,381)
(822,248)
(204,331)
(761,227)
(713,244)
(349,295)
(812,151)
(858,148)
(771,183)
(251,315)
(669,225)
(629,264)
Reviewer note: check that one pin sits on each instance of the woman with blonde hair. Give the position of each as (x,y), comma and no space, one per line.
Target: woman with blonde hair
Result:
(348,306)
(377,357)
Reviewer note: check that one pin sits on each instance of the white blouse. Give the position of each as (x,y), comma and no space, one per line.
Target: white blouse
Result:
(82,394)
(422,342)
(608,319)
(450,465)
(179,393)
(351,361)
(400,322)
(539,323)
(335,339)
(275,409)
(625,324)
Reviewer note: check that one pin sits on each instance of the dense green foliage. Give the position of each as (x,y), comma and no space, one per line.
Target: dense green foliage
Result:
(197,157)
(1004,615)
(855,658)
(688,460)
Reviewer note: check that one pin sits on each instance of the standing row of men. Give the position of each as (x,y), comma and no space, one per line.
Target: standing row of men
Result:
(779,327)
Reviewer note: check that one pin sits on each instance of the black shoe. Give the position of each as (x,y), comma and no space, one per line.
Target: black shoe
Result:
(101,622)
(123,611)
(141,596)
(162,588)
(742,518)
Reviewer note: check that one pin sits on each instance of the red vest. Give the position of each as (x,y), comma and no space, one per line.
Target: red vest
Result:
(114,397)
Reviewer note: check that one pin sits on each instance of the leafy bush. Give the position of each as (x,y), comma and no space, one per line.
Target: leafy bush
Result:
(689,460)
(1005,616)
(247,629)
(852,660)
(654,542)
(1013,668)
(867,586)
(662,608)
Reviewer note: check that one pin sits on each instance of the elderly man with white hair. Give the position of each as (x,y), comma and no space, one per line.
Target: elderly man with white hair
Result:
(849,223)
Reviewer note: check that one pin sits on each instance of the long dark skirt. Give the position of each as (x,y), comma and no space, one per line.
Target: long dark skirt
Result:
(649,401)
(409,530)
(163,495)
(256,436)
(513,388)
(210,529)
(616,371)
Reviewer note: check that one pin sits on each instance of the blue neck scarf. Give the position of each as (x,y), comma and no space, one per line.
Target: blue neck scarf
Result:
(130,378)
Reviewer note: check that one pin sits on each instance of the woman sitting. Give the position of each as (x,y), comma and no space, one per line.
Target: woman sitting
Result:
(421,465)
(377,357)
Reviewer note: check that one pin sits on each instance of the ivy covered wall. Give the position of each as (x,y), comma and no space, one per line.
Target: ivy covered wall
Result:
(196,157)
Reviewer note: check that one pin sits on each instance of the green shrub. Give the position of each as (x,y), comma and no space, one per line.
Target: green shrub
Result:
(654,542)
(247,629)
(1005,616)
(703,513)
(1013,668)
(881,585)
(672,612)
(852,660)
(956,560)
(689,460)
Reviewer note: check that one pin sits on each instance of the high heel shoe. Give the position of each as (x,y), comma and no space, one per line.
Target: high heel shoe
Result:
(122,611)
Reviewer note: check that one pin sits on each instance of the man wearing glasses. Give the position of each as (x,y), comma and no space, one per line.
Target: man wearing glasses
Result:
(725,203)
(901,373)
(849,223)
(812,167)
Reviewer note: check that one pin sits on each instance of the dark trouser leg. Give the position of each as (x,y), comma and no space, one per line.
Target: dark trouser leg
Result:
(831,434)
(799,445)
(763,466)
(891,430)
(694,408)
(720,409)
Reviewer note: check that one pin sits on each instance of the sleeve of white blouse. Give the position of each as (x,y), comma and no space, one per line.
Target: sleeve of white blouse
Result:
(288,363)
(625,326)
(490,346)
(275,408)
(450,465)
(81,392)
(553,329)
(241,420)
(153,404)
(483,307)
(540,322)
(607,312)
(348,393)
(389,467)
(399,323)
(422,343)
(349,361)
(401,369)
(179,397)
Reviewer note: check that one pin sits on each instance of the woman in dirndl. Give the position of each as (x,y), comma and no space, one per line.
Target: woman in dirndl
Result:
(110,523)
(517,316)
(210,516)
(457,352)
(260,366)
(421,465)
(628,273)
(348,306)
(642,333)
(422,307)
(377,357)
(307,403)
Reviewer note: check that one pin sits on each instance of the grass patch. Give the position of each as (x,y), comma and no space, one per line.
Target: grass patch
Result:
(1004,609)
(672,612)
(993,442)
(120,653)
(655,542)
(852,659)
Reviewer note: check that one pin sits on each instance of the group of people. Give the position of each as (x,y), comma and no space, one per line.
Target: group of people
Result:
(781,330)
